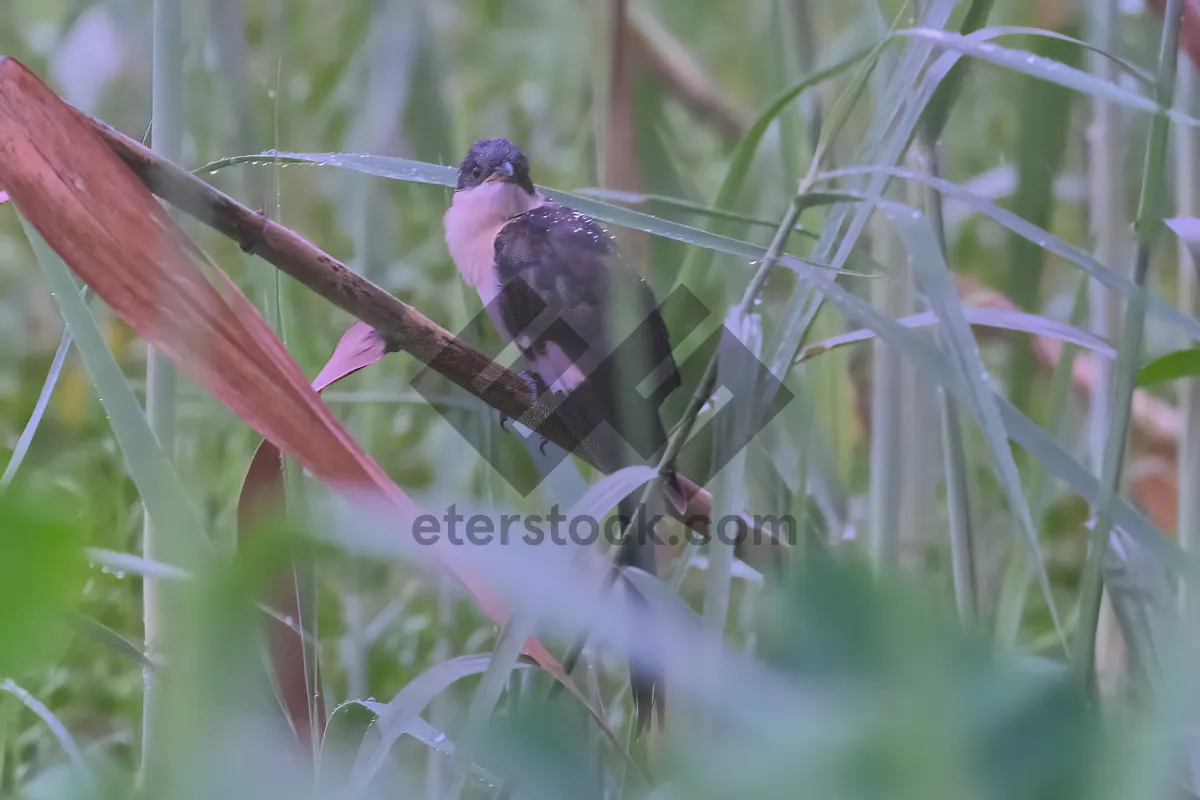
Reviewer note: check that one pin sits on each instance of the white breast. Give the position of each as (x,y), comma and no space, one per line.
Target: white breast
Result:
(472,223)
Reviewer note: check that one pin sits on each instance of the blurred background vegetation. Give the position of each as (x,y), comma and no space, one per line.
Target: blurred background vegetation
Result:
(892,695)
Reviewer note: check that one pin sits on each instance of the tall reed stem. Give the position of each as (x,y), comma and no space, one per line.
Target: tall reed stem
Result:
(167,122)
(1147,228)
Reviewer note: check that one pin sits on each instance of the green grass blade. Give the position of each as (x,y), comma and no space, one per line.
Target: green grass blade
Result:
(158,484)
(640,199)
(1143,75)
(999,318)
(21,448)
(1118,283)
(1172,366)
(54,724)
(1045,69)
(99,632)
(128,563)
(419,172)
(925,255)
(603,495)
(487,694)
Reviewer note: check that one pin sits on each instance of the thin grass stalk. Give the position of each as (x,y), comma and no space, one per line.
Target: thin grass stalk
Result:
(1147,228)
(379,102)
(167,125)
(789,56)
(278,313)
(439,708)
(733,495)
(888,294)
(886,459)
(954,457)
(918,420)
(1108,221)
(1187,204)
(1107,214)
(74,754)
(803,24)
(39,409)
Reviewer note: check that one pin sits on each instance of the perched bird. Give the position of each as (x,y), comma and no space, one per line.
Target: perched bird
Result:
(585,322)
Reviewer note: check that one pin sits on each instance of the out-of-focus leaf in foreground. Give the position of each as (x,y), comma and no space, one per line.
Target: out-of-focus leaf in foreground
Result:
(41,573)
(887,696)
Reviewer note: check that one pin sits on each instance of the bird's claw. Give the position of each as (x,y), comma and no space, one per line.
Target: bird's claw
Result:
(533,382)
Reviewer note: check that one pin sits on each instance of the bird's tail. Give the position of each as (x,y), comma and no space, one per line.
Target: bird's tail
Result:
(637,549)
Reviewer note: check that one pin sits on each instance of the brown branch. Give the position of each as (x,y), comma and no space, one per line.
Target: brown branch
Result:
(404,327)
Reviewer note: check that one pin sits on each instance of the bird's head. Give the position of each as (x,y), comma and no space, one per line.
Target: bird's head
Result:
(494,161)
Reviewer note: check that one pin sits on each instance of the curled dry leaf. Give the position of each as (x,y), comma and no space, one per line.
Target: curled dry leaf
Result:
(119,240)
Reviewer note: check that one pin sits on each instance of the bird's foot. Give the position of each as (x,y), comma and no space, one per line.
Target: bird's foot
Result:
(533,383)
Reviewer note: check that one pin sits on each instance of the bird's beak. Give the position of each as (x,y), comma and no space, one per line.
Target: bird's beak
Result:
(501,173)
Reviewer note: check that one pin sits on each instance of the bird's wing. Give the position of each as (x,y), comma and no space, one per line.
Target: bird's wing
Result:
(604,328)
(604,337)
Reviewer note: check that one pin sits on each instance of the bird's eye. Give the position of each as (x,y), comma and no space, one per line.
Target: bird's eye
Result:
(476,172)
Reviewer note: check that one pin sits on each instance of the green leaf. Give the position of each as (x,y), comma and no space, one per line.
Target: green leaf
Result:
(1180,364)
(42,571)
(99,632)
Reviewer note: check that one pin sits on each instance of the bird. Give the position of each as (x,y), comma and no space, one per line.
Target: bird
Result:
(586,323)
